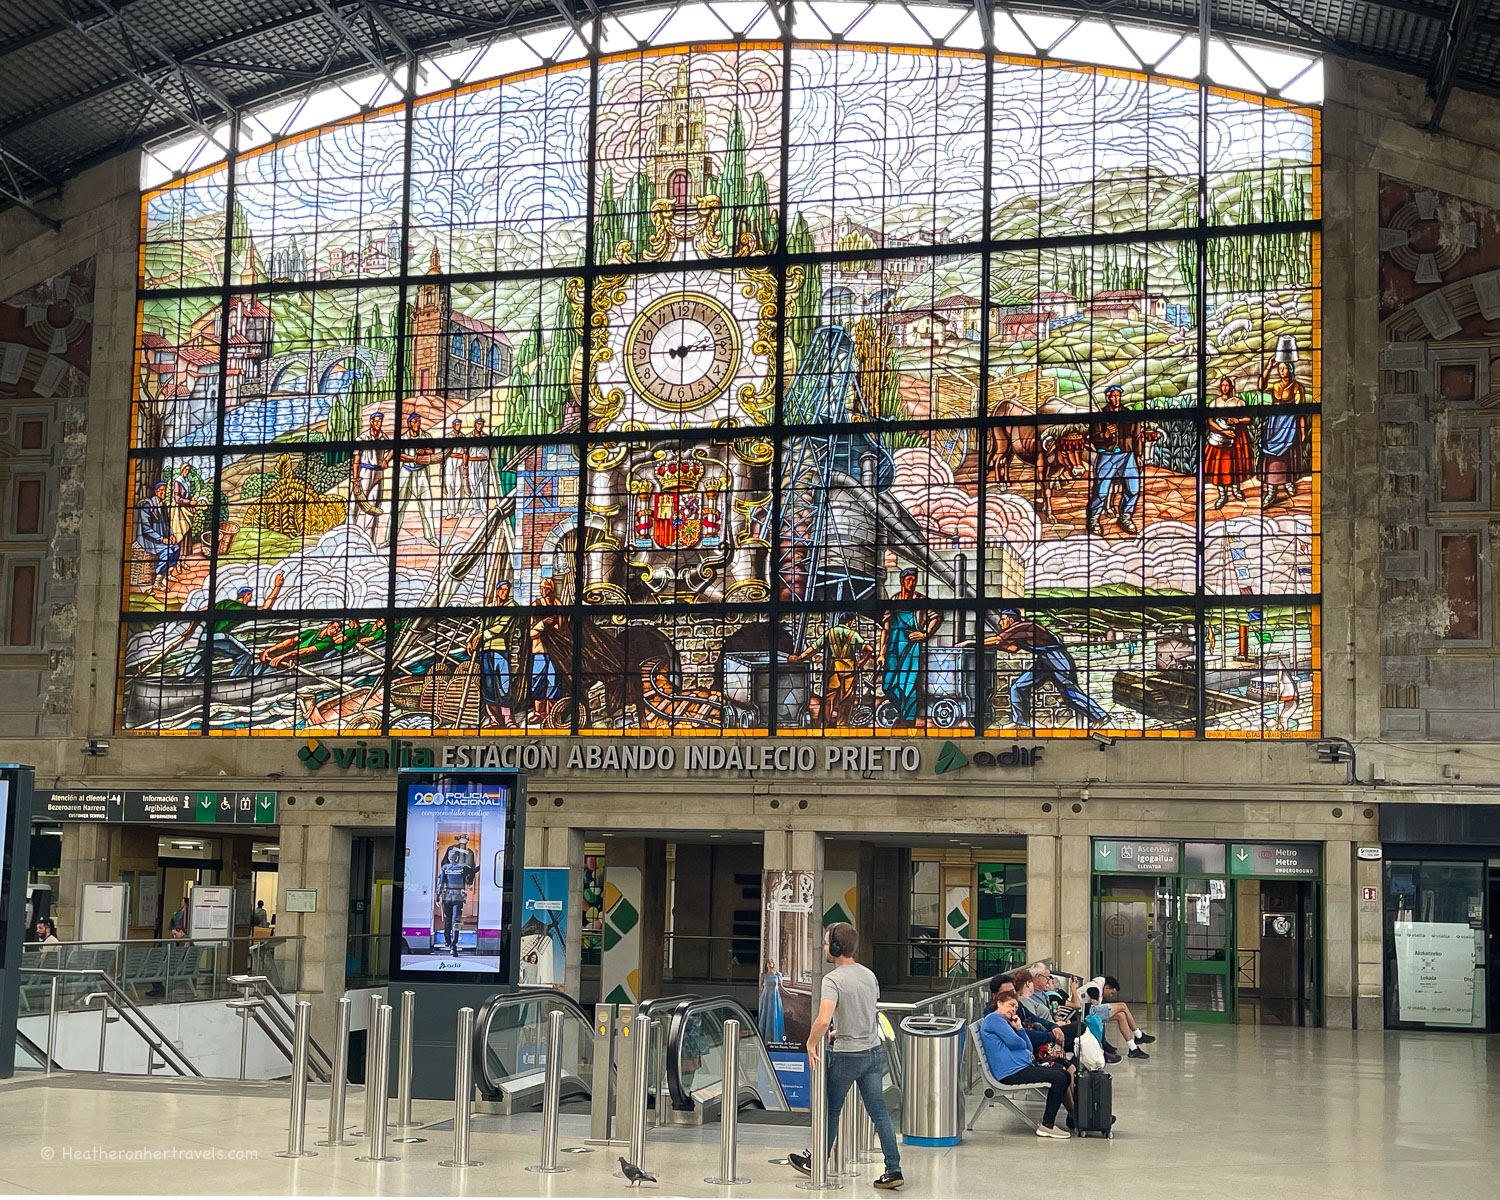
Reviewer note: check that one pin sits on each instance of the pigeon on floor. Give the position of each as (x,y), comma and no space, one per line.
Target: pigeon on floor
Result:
(634,1173)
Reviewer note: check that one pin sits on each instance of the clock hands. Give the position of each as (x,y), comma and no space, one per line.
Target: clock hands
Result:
(686,348)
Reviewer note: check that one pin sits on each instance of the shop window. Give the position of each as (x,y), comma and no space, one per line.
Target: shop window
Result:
(1434,937)
(21,630)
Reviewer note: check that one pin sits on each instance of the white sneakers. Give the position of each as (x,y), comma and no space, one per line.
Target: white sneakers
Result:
(1052,1131)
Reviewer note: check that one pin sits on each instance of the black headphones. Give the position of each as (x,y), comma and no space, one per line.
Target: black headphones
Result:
(835,947)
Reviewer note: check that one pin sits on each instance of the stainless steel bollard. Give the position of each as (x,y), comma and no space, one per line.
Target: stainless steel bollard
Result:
(52,1025)
(463,1090)
(377,1002)
(339,1083)
(969,1038)
(296,1145)
(845,1159)
(642,1083)
(403,1061)
(551,1096)
(381,1082)
(818,1103)
(729,1109)
(869,1141)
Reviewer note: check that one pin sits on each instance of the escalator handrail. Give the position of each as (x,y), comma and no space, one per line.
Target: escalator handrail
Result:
(682,1099)
(489,1089)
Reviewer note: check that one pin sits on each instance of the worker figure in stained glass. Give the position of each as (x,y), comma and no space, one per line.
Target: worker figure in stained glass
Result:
(1050,663)
(847,651)
(1119,444)
(494,644)
(416,479)
(1281,438)
(153,532)
(216,634)
(902,634)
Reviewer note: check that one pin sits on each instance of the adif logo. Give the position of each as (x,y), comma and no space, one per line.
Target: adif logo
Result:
(314,754)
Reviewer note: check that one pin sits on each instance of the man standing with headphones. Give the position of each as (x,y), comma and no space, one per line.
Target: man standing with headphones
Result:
(850,994)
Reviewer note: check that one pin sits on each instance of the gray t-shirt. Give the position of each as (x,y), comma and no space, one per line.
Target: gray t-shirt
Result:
(854,990)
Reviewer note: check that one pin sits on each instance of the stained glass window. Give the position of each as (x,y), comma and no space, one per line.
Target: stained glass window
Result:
(799,381)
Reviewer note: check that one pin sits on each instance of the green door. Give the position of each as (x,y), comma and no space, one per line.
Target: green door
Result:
(1205,951)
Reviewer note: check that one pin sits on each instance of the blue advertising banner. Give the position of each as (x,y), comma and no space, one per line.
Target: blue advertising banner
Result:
(544,925)
(791,1069)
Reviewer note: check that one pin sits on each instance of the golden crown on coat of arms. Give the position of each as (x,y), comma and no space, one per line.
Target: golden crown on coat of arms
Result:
(674,473)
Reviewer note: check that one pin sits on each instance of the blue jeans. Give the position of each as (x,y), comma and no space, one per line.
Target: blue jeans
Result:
(1115,467)
(864,1069)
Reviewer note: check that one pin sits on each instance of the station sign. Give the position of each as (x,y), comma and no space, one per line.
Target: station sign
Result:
(1275,860)
(1141,857)
(138,807)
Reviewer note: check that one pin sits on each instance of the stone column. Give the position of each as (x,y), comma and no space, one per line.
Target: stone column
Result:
(1075,901)
(561,847)
(85,859)
(317,856)
(802,850)
(635,916)
(1041,897)
(1369,948)
(1338,935)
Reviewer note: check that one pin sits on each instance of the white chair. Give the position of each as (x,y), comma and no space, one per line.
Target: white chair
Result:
(997,1092)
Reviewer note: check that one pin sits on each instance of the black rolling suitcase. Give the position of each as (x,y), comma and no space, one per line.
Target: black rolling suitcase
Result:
(1095,1103)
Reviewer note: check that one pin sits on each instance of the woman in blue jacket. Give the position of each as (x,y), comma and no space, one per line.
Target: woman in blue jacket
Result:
(1009,1052)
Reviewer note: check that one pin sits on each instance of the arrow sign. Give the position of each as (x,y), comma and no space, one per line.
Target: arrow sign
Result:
(203,806)
(1241,855)
(1104,851)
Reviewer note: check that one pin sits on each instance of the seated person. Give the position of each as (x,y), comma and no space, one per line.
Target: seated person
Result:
(1036,1015)
(1008,1051)
(997,985)
(1113,1011)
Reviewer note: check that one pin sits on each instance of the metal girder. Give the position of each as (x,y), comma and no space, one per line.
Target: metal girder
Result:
(13,187)
(1456,37)
(188,79)
(369,53)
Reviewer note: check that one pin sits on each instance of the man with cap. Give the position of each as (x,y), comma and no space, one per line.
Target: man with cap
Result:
(216,634)
(493,645)
(369,479)
(481,469)
(1118,443)
(153,533)
(455,475)
(847,652)
(1050,663)
(416,479)
(902,633)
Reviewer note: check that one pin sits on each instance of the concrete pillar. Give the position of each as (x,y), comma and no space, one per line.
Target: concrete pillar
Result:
(635,913)
(317,856)
(802,850)
(1041,897)
(557,846)
(1075,900)
(85,859)
(1369,948)
(1338,935)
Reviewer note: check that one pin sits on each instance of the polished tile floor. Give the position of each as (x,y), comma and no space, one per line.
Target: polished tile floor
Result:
(1217,1112)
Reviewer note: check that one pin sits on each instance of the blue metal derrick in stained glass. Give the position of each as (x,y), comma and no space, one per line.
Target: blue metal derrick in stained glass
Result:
(591,400)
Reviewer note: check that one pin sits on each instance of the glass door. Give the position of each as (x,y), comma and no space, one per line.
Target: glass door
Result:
(1206,958)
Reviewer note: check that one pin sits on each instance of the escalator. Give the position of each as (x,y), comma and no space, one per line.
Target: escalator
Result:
(695,1058)
(510,1049)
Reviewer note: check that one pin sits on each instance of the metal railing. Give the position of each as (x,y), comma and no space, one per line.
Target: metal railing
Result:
(262,1003)
(708,958)
(113,997)
(158,970)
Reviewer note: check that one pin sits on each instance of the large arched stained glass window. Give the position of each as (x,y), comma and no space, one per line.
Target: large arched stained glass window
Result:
(845,388)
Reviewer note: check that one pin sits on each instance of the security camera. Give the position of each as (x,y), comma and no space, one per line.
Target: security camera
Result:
(1104,742)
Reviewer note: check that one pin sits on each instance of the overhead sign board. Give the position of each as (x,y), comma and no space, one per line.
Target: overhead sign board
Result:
(1151,858)
(1276,860)
(151,807)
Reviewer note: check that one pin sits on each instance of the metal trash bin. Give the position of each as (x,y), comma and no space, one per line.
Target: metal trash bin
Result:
(932,1102)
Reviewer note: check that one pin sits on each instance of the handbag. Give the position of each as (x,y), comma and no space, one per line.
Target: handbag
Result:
(1090,1053)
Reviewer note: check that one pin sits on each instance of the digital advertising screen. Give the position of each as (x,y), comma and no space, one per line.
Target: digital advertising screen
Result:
(460,836)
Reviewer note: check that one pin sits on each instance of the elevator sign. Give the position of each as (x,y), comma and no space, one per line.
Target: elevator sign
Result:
(1275,860)
(1113,857)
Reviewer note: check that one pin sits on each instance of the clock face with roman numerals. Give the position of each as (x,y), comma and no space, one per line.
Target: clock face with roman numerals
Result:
(682,350)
